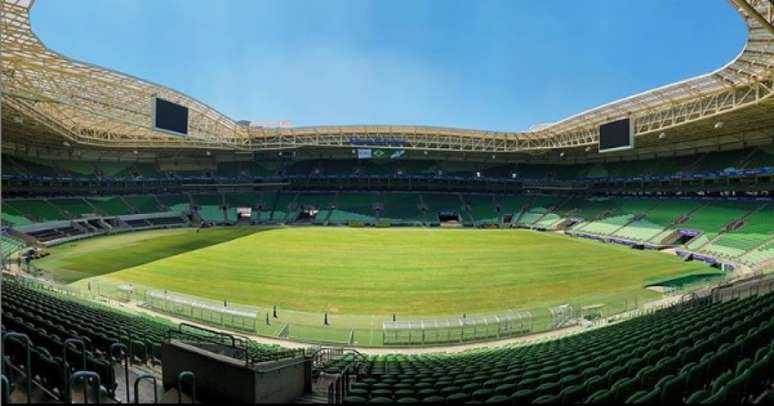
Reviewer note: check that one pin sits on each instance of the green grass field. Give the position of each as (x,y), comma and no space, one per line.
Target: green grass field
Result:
(349,271)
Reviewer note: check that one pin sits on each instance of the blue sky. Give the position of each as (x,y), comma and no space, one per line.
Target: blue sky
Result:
(484,64)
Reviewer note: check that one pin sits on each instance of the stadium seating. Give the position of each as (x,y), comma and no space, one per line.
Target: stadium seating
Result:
(49,319)
(319,201)
(174,202)
(110,206)
(483,209)
(712,217)
(727,228)
(721,349)
(73,208)
(658,218)
(13,217)
(10,245)
(512,205)
(37,210)
(441,202)
(401,208)
(539,206)
(143,204)
(284,208)
(759,255)
(757,229)
(353,207)
(241,199)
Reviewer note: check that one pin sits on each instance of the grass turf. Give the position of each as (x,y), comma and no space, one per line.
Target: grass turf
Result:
(416,272)
(81,259)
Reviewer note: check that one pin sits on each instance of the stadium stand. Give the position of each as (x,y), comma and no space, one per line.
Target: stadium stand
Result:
(437,203)
(722,351)
(401,208)
(480,210)
(713,218)
(10,245)
(756,230)
(37,210)
(49,320)
(354,207)
(110,206)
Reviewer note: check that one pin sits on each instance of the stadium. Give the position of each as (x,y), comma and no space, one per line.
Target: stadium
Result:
(155,250)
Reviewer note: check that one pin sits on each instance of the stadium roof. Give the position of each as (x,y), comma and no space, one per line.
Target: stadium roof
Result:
(49,98)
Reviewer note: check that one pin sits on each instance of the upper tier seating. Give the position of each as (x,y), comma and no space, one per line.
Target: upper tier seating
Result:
(750,158)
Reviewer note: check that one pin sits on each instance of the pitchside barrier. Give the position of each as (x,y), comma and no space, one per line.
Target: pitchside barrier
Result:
(456,330)
(358,330)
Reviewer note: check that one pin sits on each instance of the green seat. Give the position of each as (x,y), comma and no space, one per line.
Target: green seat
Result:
(623,389)
(547,399)
(720,381)
(572,394)
(482,394)
(737,387)
(408,400)
(404,393)
(717,397)
(505,389)
(633,398)
(433,399)
(601,396)
(672,389)
(354,400)
(496,400)
(649,397)
(698,396)
(523,396)
(457,397)
(380,400)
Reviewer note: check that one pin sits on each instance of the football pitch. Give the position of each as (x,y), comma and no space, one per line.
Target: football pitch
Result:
(361,274)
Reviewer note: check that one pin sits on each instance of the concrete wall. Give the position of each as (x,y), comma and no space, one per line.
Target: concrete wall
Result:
(218,378)
(224,379)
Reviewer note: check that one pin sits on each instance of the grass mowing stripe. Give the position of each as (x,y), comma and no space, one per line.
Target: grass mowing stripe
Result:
(103,255)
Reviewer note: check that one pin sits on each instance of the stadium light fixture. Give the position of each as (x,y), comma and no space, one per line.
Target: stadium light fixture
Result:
(561,154)
(513,175)
(208,153)
(66,144)
(493,156)
(588,149)
(662,135)
(718,125)
(478,174)
(135,152)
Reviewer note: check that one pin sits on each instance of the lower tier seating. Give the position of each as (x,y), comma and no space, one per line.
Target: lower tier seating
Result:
(723,352)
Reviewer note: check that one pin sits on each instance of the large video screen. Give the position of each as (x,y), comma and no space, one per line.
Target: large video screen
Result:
(170,117)
(616,135)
